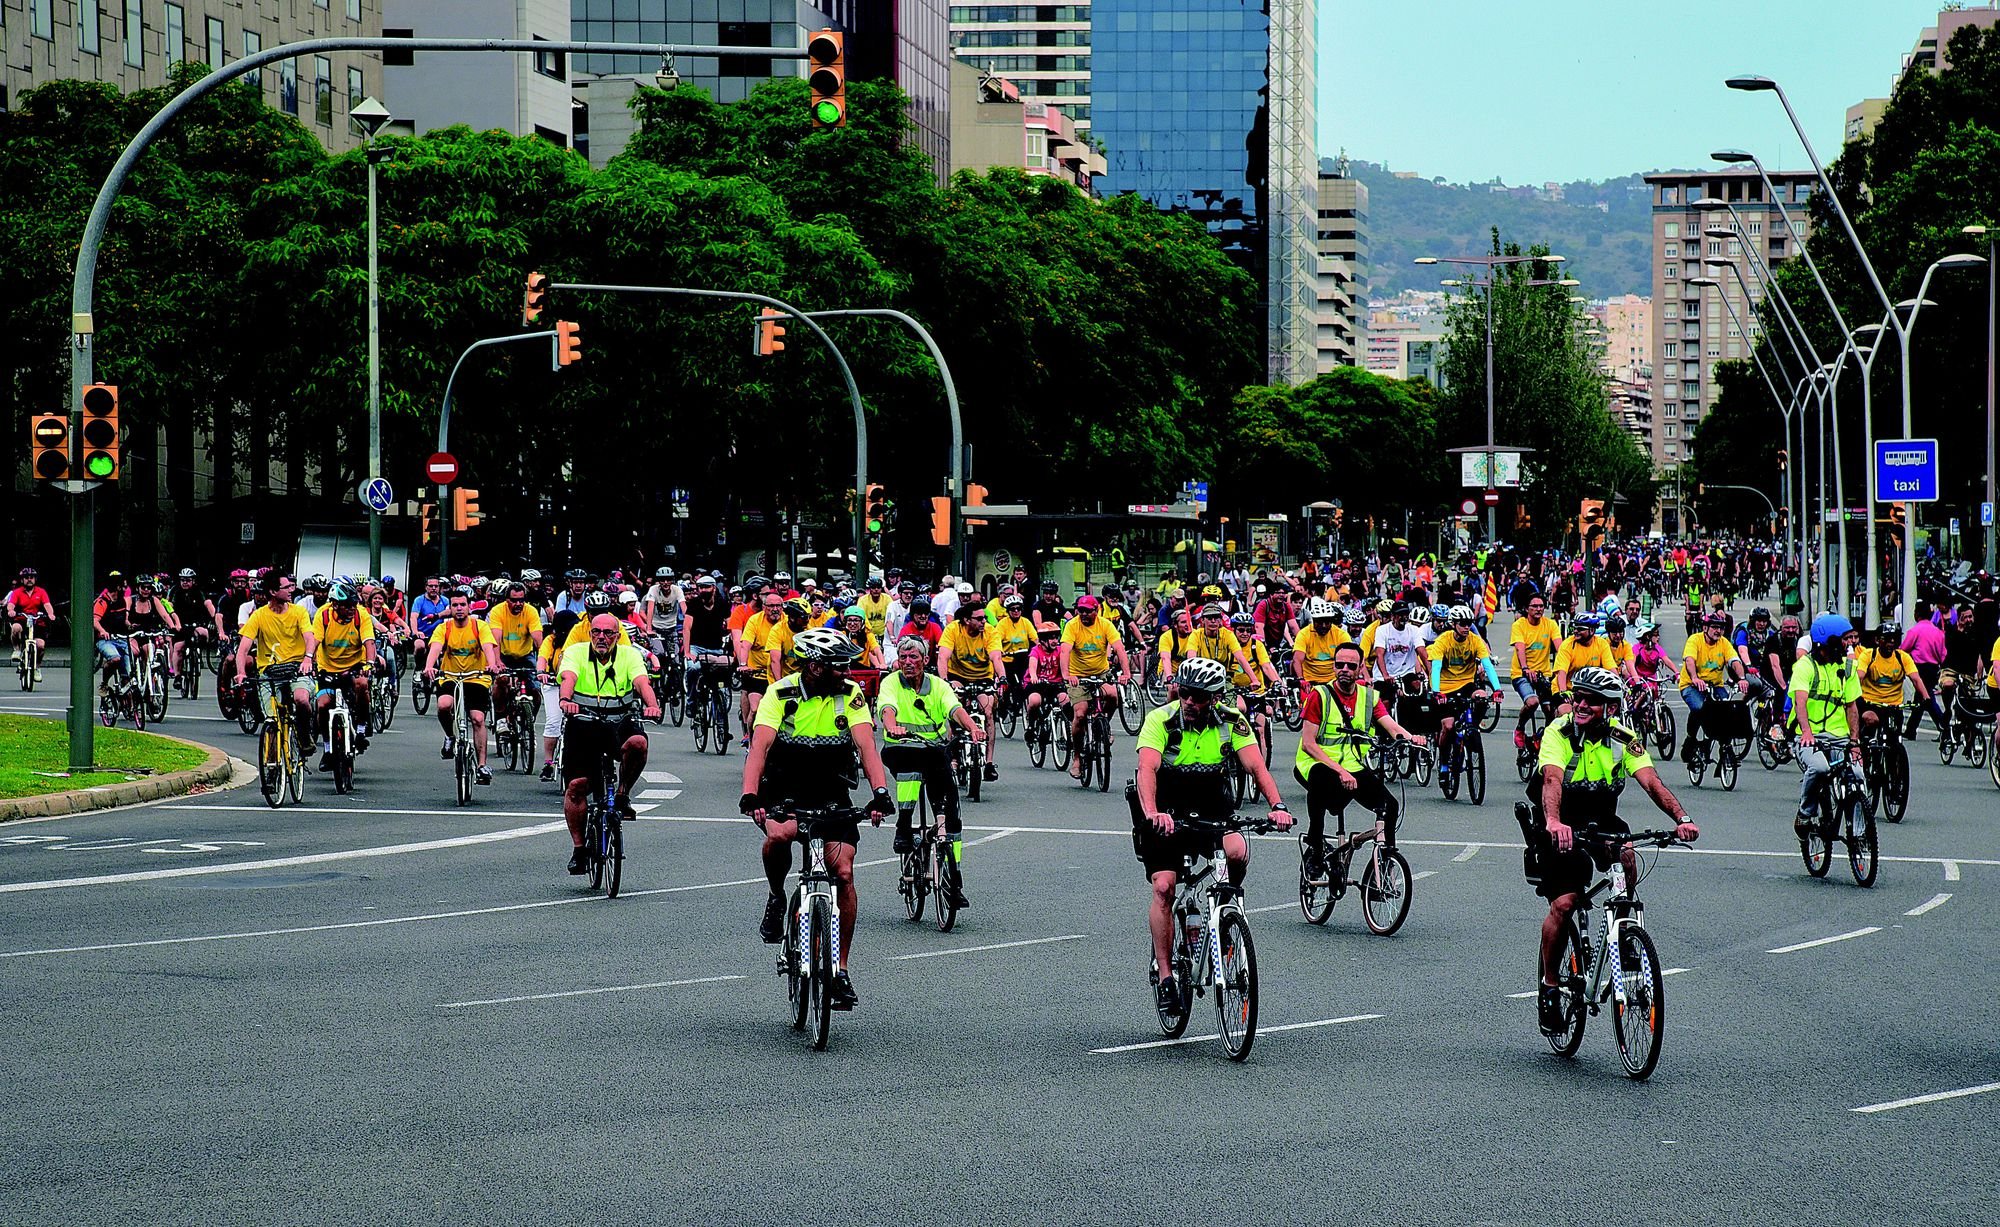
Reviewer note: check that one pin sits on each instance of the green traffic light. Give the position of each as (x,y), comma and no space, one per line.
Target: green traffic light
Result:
(100,466)
(826,111)
(874,526)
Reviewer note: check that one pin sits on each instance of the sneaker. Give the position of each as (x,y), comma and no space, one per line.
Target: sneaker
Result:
(1167,996)
(625,811)
(482,776)
(548,771)
(1803,824)
(325,761)
(841,992)
(38,677)
(1549,1009)
(906,842)
(992,773)
(361,743)
(504,727)
(1520,740)
(448,749)
(1687,749)
(959,901)
(773,928)
(579,860)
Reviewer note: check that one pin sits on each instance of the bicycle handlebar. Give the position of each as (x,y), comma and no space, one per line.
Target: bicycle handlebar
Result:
(1223,825)
(1612,839)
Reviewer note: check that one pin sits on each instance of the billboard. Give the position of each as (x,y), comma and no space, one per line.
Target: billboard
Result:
(1505,470)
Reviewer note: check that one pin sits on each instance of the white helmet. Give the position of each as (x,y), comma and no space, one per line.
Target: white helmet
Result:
(1461,613)
(1319,607)
(1420,616)
(1201,674)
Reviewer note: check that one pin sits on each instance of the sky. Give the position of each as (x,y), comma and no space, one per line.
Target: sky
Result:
(1560,90)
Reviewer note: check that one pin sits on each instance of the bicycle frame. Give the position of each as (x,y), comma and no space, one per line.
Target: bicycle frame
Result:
(1621,908)
(1217,899)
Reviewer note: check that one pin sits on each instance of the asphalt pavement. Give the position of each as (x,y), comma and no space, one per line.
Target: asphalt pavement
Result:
(385,1007)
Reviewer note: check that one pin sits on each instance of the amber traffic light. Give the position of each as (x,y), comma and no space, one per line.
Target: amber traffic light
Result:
(770,332)
(465,511)
(569,348)
(48,434)
(941,521)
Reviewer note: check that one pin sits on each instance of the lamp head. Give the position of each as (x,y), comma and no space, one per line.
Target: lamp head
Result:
(1751,84)
(370,116)
(1961,260)
(1731,156)
(1425,260)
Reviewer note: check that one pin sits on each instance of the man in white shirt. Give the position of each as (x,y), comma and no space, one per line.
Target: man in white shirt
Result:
(944,606)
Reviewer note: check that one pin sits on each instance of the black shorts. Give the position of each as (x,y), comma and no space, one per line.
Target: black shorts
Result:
(847,832)
(584,740)
(1571,872)
(755,685)
(477,696)
(1169,853)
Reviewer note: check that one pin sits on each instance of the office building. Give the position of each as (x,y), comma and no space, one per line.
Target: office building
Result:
(134,44)
(1342,257)
(1043,49)
(1692,329)
(521,94)
(1208,109)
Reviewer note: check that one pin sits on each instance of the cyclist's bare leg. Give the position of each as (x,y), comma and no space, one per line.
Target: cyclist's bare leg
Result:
(1160,919)
(1236,851)
(1553,925)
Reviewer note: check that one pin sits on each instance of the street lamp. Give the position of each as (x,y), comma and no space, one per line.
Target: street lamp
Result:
(1992,310)
(1903,331)
(371,117)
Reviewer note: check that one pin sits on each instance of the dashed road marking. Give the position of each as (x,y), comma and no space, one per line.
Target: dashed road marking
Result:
(1196,1039)
(1825,941)
(589,992)
(1938,1097)
(1033,941)
(1471,850)
(1932,904)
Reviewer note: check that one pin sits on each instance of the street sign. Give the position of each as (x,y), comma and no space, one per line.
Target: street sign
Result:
(376,494)
(1469,507)
(1906,470)
(1491,498)
(442,468)
(1986,515)
(1954,526)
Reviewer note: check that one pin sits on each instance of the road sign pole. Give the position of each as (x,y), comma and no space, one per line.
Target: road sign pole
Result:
(82,633)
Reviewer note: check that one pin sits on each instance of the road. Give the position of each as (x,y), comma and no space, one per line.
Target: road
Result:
(386,1008)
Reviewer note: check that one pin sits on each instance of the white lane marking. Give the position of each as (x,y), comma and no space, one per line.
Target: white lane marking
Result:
(1471,850)
(1002,833)
(1196,1039)
(588,992)
(1914,1100)
(284,862)
(1428,873)
(1951,870)
(1269,907)
(1037,941)
(1671,971)
(1825,941)
(1932,904)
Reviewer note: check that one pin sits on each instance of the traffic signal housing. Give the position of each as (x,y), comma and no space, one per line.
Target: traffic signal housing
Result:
(48,436)
(428,518)
(531,303)
(465,511)
(770,333)
(827,75)
(98,457)
(975,496)
(1590,519)
(940,521)
(877,507)
(569,347)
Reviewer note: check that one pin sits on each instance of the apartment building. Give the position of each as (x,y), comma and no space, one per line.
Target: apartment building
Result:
(992,125)
(522,94)
(1043,49)
(1343,271)
(1931,54)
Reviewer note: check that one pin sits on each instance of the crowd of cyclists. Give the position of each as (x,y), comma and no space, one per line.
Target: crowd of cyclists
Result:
(1379,662)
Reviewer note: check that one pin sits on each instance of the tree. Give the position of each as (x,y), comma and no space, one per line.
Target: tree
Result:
(1365,439)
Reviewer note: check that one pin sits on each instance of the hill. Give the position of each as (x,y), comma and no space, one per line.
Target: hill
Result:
(1605,229)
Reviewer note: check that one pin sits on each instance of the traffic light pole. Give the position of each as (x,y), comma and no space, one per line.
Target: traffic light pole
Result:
(956,482)
(444,429)
(840,359)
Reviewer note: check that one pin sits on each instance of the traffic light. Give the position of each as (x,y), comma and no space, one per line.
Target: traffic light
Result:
(770,333)
(877,507)
(1784,460)
(48,433)
(940,521)
(428,513)
(98,457)
(828,78)
(531,305)
(975,496)
(465,511)
(1899,514)
(568,347)
(1590,518)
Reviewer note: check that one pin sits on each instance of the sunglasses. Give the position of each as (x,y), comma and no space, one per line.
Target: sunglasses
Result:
(1348,665)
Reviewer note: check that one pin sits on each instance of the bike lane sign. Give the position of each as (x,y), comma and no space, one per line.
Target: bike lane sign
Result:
(1906,470)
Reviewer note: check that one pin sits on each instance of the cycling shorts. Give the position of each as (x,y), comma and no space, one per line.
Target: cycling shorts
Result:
(584,740)
(1571,872)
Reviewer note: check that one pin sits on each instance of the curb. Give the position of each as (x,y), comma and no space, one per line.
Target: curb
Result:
(215,773)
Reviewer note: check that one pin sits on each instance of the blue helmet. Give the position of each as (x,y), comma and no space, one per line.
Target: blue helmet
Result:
(1829,627)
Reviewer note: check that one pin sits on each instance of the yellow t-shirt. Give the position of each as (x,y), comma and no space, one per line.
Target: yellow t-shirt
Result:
(1883,676)
(1368,640)
(515,635)
(1318,650)
(1221,646)
(1089,647)
(1710,662)
(341,645)
(1621,654)
(464,648)
(969,656)
(1576,655)
(875,610)
(1017,635)
(757,634)
(1460,658)
(1542,642)
(780,656)
(1253,681)
(280,638)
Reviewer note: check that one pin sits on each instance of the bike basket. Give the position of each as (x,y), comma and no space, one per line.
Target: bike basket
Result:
(1726,719)
(1536,853)
(1421,716)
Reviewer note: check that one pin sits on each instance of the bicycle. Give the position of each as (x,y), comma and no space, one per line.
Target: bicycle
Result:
(1287,703)
(1385,882)
(929,870)
(461,734)
(386,689)
(809,957)
(1463,757)
(524,705)
(603,827)
(710,705)
(1725,726)
(1653,720)
(420,693)
(1131,706)
(1966,719)
(28,658)
(1007,708)
(1529,752)
(1774,749)
(1212,947)
(1038,730)
(1843,815)
(340,733)
(281,756)
(149,670)
(969,754)
(1886,767)
(1093,753)
(1622,966)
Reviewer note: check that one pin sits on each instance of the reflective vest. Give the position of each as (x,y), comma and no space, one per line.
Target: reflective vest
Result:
(924,714)
(1346,740)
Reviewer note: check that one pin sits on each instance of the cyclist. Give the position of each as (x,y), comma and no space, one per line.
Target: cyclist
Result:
(28,599)
(1048,608)
(344,636)
(1401,644)
(1826,694)
(1707,664)
(1587,756)
(1534,643)
(1457,660)
(145,613)
(1885,668)
(917,712)
(1017,638)
(874,602)
(1622,655)
(517,633)
(802,751)
(1753,642)
(1173,642)
(1332,759)
(1089,644)
(1044,679)
(1213,640)
(282,642)
(464,644)
(429,609)
(665,605)
(602,675)
(921,623)
(1181,771)
(1312,647)
(1583,649)
(1250,683)
(854,624)
(778,647)
(752,649)
(969,655)
(200,625)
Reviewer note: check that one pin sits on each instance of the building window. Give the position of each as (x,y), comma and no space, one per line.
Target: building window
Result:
(135,30)
(354,89)
(550,63)
(1673,251)
(1672,230)
(322,90)
(1801,192)
(1673,349)
(1670,195)
(288,86)
(553,137)
(1673,272)
(212,27)
(1672,430)
(354,10)
(173,44)
(253,43)
(319,4)
(1736,349)
(1756,227)
(89,33)
(398,59)
(1673,370)
(42,19)
(1673,310)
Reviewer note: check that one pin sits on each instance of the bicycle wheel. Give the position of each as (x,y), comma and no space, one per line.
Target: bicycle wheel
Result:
(1174,1016)
(1725,767)
(944,884)
(1475,773)
(1239,779)
(1642,1019)
(107,709)
(271,765)
(1524,761)
(1131,711)
(1767,750)
(1059,739)
(1862,861)
(1975,747)
(341,744)
(1697,764)
(821,958)
(975,769)
(1422,764)
(156,697)
(798,980)
(1236,996)
(1451,770)
(700,722)
(1385,895)
(1491,720)
(1948,745)
(420,694)
(1035,736)
(138,706)
(1294,711)
(295,759)
(593,841)
(916,880)
(1008,712)
(1896,792)
(1104,757)
(461,768)
(1816,846)
(614,855)
(1086,757)
(1571,965)
(1666,735)
(1316,899)
(677,704)
(1992,765)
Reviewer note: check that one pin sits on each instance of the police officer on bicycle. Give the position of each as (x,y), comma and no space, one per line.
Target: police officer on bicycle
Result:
(601,675)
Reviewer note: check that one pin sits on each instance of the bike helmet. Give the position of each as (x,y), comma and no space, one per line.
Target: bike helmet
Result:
(1888,632)
(797,605)
(1048,630)
(1829,628)
(628,598)
(825,645)
(1201,676)
(1440,613)
(1242,618)
(1385,606)
(528,576)
(1716,617)
(1461,613)
(1614,625)
(1643,629)
(1320,609)
(854,611)
(1049,587)
(317,583)
(1598,682)
(144,583)
(663,573)
(1357,618)
(596,603)
(1760,614)
(1420,616)
(463,591)
(238,573)
(575,575)
(1587,622)
(1014,601)
(341,594)
(921,605)
(187,572)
